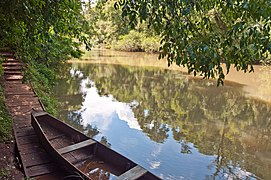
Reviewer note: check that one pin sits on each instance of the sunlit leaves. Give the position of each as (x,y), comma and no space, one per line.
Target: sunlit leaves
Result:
(43,30)
(203,34)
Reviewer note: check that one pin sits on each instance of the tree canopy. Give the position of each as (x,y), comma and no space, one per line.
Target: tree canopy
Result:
(43,33)
(43,30)
(201,35)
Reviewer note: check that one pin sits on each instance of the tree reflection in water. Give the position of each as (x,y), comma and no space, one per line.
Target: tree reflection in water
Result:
(219,121)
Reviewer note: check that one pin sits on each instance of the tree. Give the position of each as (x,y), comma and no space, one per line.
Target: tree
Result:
(43,30)
(201,35)
(43,33)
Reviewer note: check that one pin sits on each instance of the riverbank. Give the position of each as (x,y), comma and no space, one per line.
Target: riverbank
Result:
(255,84)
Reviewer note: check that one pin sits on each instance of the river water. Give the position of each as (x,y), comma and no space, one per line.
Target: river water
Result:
(175,125)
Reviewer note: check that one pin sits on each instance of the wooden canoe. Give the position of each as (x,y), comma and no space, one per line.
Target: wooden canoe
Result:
(82,156)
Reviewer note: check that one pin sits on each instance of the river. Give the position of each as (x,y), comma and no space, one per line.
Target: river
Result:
(175,125)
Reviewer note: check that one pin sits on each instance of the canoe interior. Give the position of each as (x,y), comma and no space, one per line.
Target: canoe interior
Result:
(96,161)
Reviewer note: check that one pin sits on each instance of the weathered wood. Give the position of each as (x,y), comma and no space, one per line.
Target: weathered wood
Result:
(76,146)
(22,103)
(18,125)
(13,72)
(79,153)
(34,159)
(20,99)
(31,148)
(134,173)
(13,77)
(12,68)
(24,109)
(59,174)
(16,87)
(26,131)
(19,93)
(5,64)
(42,169)
(27,140)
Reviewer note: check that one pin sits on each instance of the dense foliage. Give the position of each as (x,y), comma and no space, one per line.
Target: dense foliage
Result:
(43,33)
(5,120)
(112,30)
(202,34)
(43,30)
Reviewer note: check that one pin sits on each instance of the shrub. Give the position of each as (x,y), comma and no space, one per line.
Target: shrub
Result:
(151,44)
(5,120)
(130,42)
(136,41)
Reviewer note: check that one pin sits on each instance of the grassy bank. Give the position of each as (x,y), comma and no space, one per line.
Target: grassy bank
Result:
(5,120)
(42,79)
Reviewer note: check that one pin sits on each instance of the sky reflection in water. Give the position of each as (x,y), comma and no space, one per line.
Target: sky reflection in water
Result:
(116,121)
(176,126)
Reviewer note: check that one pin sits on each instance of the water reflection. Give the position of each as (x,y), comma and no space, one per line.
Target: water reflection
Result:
(177,127)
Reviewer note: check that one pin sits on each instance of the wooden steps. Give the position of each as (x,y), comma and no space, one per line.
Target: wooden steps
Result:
(8,63)
(12,68)
(20,99)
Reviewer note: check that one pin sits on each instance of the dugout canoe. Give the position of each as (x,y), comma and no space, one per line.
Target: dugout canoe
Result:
(81,155)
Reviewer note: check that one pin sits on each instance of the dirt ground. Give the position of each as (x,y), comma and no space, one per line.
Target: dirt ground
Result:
(9,168)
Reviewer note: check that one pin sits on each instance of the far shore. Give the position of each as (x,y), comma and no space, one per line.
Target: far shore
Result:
(256,84)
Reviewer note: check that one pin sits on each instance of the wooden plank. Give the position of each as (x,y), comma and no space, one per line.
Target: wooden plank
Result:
(13,77)
(17,87)
(34,159)
(19,93)
(22,103)
(24,109)
(24,118)
(13,68)
(27,140)
(18,125)
(12,64)
(27,131)
(42,169)
(21,109)
(13,59)
(31,148)
(21,96)
(134,173)
(13,72)
(59,174)
(22,99)
(76,146)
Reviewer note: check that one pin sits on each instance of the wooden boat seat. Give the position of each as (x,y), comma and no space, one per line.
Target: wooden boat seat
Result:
(134,173)
(76,146)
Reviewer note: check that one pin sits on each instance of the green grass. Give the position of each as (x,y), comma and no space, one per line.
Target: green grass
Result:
(5,120)
(42,79)
(4,174)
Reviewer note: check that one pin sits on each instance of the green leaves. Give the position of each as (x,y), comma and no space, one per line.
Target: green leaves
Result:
(43,30)
(203,34)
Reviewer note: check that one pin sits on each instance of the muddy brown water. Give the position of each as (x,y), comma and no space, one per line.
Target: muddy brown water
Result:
(175,125)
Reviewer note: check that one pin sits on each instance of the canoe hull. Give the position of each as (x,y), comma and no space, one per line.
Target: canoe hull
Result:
(81,155)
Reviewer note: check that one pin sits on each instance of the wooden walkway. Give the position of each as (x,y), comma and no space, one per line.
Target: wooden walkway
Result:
(20,99)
